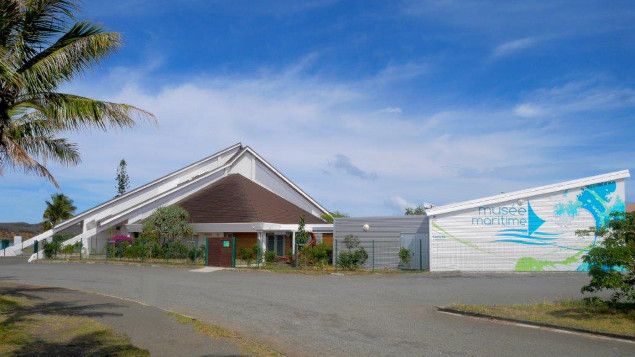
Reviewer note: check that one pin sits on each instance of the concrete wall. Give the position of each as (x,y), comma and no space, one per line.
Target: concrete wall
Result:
(535,233)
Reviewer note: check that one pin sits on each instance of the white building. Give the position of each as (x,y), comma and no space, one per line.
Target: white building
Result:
(232,193)
(528,230)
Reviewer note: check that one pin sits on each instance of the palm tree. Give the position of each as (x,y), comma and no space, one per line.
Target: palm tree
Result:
(41,47)
(59,209)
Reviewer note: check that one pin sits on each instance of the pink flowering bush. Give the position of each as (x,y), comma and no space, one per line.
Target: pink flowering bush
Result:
(120,239)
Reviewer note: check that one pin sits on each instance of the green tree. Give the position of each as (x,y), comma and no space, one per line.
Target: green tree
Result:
(168,223)
(123,181)
(612,262)
(301,236)
(419,210)
(58,209)
(329,217)
(43,46)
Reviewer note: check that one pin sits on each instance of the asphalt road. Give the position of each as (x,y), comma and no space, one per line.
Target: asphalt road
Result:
(360,315)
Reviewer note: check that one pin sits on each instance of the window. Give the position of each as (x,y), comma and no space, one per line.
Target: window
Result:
(275,243)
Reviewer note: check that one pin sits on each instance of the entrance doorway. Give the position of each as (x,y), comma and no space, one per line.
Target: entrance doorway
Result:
(221,252)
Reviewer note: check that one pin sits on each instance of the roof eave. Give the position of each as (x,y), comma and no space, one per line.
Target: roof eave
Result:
(536,191)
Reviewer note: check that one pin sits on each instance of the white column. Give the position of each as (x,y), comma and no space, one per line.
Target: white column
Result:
(17,241)
(293,243)
(262,239)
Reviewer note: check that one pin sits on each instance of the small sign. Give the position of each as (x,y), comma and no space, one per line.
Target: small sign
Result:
(225,244)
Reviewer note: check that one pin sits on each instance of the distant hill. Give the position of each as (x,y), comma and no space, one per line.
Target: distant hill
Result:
(26,230)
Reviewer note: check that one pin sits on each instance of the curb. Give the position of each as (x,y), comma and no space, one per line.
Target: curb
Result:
(527,323)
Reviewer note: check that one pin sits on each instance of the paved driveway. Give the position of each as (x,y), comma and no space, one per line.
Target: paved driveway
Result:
(342,315)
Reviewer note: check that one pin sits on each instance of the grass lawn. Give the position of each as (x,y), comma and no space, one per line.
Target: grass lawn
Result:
(28,329)
(592,316)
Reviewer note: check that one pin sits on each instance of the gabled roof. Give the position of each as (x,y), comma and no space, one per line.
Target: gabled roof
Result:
(161,179)
(236,199)
(284,178)
(229,162)
(516,195)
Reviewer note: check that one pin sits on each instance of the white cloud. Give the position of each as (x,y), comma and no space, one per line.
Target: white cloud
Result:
(575,96)
(300,123)
(514,46)
(527,110)
(399,203)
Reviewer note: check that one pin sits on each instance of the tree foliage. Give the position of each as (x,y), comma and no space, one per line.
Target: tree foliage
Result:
(43,46)
(58,209)
(329,217)
(123,181)
(168,224)
(301,236)
(612,262)
(419,210)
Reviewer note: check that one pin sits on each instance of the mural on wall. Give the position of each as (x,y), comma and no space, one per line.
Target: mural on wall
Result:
(533,235)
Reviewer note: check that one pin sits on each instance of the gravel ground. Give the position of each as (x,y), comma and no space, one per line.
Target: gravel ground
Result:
(351,315)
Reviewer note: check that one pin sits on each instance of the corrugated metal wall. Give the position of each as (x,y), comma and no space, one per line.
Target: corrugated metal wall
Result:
(383,237)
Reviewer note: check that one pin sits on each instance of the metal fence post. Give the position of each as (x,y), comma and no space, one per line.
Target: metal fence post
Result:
(233,252)
(373,255)
(335,254)
(206,250)
(420,255)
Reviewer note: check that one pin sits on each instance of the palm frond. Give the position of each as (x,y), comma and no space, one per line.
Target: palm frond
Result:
(70,112)
(42,19)
(36,138)
(82,46)
(19,158)
(10,18)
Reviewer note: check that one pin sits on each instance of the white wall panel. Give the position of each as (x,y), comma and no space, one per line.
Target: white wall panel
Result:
(531,234)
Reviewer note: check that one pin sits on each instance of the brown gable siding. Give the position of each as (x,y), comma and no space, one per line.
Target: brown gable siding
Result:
(237,199)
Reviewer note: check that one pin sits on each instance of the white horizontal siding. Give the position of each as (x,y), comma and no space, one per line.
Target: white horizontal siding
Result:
(460,243)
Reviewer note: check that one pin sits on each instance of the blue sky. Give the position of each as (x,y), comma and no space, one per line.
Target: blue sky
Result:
(369,106)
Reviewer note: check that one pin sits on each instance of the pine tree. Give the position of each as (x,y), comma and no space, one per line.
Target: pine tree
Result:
(123,181)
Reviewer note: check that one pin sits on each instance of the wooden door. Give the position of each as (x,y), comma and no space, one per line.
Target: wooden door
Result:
(220,252)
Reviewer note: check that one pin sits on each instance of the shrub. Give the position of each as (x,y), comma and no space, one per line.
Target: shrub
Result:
(71,248)
(612,262)
(270,256)
(405,257)
(196,253)
(250,254)
(175,250)
(135,250)
(51,249)
(354,257)
(317,254)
